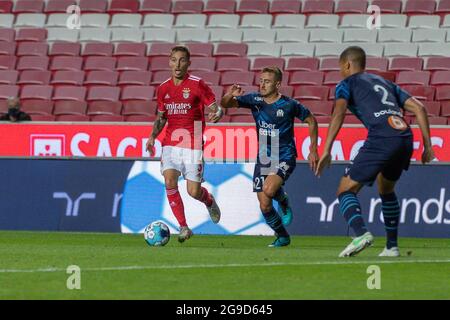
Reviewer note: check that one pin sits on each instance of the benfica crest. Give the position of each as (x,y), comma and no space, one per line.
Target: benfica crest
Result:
(186,92)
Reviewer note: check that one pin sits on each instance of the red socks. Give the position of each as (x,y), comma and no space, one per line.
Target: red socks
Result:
(206,197)
(176,203)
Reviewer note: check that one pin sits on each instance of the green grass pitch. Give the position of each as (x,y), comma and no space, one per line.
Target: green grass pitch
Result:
(117,266)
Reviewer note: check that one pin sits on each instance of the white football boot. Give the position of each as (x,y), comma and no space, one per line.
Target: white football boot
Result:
(357,245)
(392,252)
(214,211)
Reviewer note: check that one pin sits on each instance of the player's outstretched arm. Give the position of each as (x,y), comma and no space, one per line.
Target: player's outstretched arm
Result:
(337,120)
(158,125)
(228,100)
(415,106)
(313,156)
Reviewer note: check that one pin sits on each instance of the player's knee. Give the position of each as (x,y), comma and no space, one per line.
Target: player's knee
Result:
(269,191)
(171,183)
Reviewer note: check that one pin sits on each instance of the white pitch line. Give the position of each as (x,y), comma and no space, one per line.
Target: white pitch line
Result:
(231,265)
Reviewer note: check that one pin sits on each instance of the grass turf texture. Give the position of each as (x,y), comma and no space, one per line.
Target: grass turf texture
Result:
(117,266)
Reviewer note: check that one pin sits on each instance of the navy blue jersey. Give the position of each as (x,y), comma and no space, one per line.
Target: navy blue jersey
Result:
(377,102)
(275,122)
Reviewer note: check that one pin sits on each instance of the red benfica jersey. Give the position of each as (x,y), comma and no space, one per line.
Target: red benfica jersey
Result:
(183,106)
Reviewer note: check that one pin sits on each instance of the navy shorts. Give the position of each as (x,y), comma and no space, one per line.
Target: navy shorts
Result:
(284,169)
(390,156)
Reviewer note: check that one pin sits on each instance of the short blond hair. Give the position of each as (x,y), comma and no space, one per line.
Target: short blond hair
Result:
(276,71)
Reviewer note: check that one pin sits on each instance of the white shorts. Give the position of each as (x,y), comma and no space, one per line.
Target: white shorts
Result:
(187,161)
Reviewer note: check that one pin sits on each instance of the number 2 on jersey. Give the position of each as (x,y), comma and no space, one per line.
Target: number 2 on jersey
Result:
(377,88)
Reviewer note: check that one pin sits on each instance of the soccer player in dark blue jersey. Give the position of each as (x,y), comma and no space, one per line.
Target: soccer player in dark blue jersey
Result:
(274,115)
(387,151)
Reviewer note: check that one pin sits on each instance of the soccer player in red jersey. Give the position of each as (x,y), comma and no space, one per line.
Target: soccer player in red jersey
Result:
(181,102)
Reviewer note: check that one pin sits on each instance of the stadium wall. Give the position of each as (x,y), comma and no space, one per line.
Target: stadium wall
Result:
(120,195)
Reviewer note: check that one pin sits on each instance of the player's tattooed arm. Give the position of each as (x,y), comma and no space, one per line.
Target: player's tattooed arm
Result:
(313,156)
(415,106)
(228,100)
(337,120)
(158,125)
(215,113)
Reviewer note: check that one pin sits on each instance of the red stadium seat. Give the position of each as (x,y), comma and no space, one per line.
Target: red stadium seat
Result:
(210,78)
(7,62)
(34,77)
(143,108)
(242,119)
(421,92)
(31,34)
(100,64)
(443,93)
(218,92)
(318,7)
(73,118)
(440,78)
(28,6)
(236,77)
(36,92)
(107,118)
(37,106)
(388,6)
(32,49)
(183,7)
(285,7)
(323,119)
(302,64)
(311,78)
(406,64)
(141,78)
(200,49)
(443,7)
(231,50)
(98,49)
(104,107)
(332,78)
(438,63)
(433,107)
(97,93)
(160,49)
(65,49)
(63,77)
(311,93)
(419,7)
(32,63)
(7,34)
(413,78)
(159,64)
(138,93)
(232,64)
(386,75)
(8,77)
(260,63)
(60,63)
(351,7)
(123,6)
(130,49)
(42,117)
(70,107)
(7,48)
(58,6)
(445,109)
(329,64)
(239,112)
(6,6)
(351,119)
(8,91)
(434,121)
(375,63)
(140,118)
(252,6)
(132,64)
(105,78)
(93,6)
(202,64)
(155,6)
(321,108)
(72,93)
(159,77)
(220,6)
(287,90)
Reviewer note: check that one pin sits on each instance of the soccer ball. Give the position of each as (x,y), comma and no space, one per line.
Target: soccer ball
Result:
(157,234)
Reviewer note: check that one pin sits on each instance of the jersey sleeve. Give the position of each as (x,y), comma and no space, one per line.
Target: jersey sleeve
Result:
(207,95)
(300,111)
(401,95)
(246,101)
(342,91)
(159,99)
